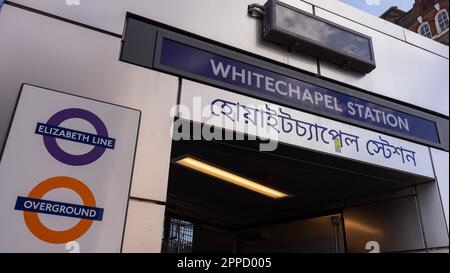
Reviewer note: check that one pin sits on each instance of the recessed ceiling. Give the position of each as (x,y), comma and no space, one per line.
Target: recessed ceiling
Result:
(197,195)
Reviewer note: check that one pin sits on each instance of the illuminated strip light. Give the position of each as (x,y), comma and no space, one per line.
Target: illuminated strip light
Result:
(229,177)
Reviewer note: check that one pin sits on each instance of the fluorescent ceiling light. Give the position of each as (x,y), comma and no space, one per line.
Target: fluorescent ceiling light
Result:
(230,177)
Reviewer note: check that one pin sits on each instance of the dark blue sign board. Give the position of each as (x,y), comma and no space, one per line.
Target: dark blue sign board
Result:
(303,95)
(1,3)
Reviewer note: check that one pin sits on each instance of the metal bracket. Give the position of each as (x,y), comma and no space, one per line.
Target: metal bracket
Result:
(255,10)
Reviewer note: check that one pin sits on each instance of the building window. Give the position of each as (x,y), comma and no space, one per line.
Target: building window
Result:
(442,21)
(425,30)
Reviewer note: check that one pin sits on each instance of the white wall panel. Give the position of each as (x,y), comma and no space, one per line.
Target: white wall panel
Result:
(227,22)
(426,43)
(223,21)
(376,23)
(404,72)
(50,53)
(144,227)
(359,16)
(299,4)
(441,169)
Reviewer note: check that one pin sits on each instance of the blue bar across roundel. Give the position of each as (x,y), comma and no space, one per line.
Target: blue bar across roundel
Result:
(58,208)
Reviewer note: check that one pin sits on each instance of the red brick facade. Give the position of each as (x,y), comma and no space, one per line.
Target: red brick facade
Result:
(423,11)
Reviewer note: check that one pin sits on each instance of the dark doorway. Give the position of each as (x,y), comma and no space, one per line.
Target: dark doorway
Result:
(226,217)
(313,235)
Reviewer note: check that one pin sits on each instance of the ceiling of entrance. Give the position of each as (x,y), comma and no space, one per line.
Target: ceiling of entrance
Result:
(316,184)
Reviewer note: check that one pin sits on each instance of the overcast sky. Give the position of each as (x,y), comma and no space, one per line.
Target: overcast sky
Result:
(377,7)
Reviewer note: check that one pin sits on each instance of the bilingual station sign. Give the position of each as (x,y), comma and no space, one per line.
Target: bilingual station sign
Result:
(269,121)
(65,174)
(255,81)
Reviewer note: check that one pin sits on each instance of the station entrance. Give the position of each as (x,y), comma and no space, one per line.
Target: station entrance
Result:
(295,204)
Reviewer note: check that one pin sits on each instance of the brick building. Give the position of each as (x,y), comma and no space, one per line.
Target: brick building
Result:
(427,17)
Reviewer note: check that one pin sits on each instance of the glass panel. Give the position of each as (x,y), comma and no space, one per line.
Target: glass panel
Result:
(443,21)
(425,30)
(321,32)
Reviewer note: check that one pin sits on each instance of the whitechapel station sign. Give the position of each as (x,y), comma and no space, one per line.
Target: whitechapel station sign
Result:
(270,121)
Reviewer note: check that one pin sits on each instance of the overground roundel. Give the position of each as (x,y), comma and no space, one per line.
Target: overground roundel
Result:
(52,130)
(34,204)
